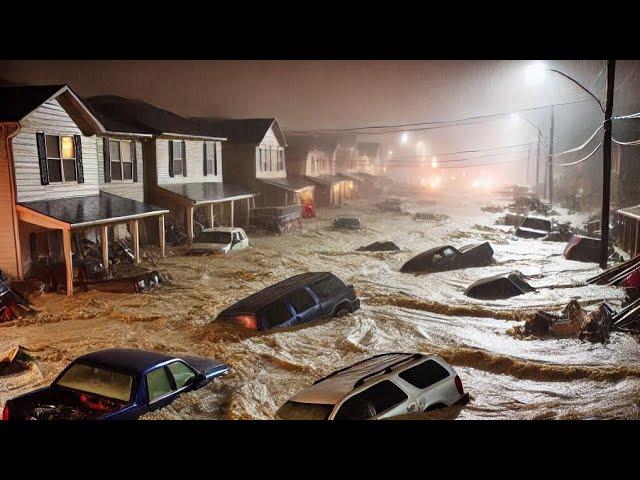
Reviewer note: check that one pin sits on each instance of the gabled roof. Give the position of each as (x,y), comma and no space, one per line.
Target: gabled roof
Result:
(242,130)
(125,115)
(368,148)
(17,102)
(325,143)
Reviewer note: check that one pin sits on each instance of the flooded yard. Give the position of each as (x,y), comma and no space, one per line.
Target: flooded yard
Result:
(506,377)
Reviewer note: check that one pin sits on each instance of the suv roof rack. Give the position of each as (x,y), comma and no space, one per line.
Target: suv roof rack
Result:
(387,369)
(358,363)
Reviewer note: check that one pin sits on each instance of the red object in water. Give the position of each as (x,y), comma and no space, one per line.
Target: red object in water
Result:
(84,398)
(308,209)
(633,280)
(5,413)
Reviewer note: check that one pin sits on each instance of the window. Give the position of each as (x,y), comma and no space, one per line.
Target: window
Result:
(61,158)
(281,159)
(121,159)
(328,287)
(99,381)
(182,374)
(371,402)
(213,237)
(301,300)
(425,374)
(263,160)
(179,163)
(158,384)
(276,314)
(212,167)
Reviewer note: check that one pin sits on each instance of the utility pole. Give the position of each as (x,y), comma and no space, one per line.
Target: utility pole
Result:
(538,165)
(606,165)
(550,162)
(527,176)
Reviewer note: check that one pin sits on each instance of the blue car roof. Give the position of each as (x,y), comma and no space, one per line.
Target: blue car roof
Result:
(125,359)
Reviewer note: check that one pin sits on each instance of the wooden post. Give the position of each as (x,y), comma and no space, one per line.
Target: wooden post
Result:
(135,239)
(189,215)
(68,260)
(231,213)
(104,245)
(635,246)
(212,216)
(161,238)
(248,211)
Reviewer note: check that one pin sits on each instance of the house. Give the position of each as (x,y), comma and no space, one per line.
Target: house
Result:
(49,183)
(183,167)
(313,157)
(368,163)
(367,156)
(255,159)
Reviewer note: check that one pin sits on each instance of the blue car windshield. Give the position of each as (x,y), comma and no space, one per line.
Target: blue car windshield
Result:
(99,381)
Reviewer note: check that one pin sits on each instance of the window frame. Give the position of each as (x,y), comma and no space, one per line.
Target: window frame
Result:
(422,364)
(195,373)
(183,151)
(170,378)
(61,158)
(132,144)
(355,393)
(213,151)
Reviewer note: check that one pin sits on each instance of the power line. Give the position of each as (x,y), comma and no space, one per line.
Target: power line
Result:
(517,145)
(451,160)
(581,146)
(581,160)
(435,122)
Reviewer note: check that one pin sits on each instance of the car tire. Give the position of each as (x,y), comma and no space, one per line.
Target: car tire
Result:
(342,312)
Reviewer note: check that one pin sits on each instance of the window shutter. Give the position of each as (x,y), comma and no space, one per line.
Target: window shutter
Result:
(184,159)
(204,158)
(215,157)
(134,160)
(79,166)
(107,160)
(170,158)
(42,159)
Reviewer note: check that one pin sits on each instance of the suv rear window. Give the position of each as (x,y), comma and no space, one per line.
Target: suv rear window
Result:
(425,374)
(328,287)
(276,314)
(371,402)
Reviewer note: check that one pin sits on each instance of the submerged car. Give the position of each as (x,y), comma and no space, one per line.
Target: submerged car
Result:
(352,223)
(446,257)
(382,386)
(114,384)
(582,249)
(298,299)
(501,286)
(219,240)
(534,227)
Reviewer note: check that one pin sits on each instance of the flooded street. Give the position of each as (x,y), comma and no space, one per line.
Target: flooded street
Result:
(507,377)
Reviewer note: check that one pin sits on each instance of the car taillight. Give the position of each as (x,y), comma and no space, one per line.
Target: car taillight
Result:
(246,321)
(459,385)
(5,413)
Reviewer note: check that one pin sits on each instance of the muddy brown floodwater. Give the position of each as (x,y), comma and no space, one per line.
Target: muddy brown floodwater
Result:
(506,377)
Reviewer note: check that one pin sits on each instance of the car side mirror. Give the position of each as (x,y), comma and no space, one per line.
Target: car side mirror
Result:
(201,381)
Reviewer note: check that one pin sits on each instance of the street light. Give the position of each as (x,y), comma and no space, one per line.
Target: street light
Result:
(404,138)
(534,73)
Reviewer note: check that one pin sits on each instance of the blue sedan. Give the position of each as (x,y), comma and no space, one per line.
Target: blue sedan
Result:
(114,384)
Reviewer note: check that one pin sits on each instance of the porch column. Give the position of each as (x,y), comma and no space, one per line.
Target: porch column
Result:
(68,261)
(231,213)
(135,240)
(189,214)
(104,245)
(212,216)
(248,211)
(635,246)
(161,239)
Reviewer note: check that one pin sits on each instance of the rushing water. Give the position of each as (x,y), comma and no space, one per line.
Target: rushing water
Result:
(507,377)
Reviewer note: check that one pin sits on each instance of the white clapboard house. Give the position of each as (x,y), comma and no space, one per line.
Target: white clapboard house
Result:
(51,186)
(183,167)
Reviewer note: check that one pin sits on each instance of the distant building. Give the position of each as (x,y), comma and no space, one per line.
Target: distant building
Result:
(50,184)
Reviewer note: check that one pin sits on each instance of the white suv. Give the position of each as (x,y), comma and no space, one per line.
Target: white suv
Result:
(382,386)
(220,240)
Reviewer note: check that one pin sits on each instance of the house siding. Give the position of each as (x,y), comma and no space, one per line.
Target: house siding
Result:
(193,149)
(50,118)
(8,250)
(269,141)
(123,188)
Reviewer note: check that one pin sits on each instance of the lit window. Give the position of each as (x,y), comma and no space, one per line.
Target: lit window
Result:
(61,158)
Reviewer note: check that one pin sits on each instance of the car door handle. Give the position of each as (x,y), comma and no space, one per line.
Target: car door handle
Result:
(411,407)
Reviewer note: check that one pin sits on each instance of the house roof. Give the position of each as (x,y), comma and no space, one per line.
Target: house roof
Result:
(292,183)
(368,148)
(328,179)
(125,115)
(241,130)
(17,102)
(208,192)
(327,143)
(93,209)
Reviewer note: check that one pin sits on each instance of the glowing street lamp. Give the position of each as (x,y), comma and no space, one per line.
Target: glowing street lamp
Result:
(404,138)
(434,162)
(535,73)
